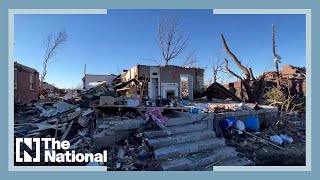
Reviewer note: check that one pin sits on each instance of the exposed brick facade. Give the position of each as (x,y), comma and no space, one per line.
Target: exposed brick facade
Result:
(24,90)
(287,69)
(291,76)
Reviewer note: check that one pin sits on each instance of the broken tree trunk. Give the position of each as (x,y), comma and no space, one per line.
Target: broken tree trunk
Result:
(254,88)
(234,57)
(275,56)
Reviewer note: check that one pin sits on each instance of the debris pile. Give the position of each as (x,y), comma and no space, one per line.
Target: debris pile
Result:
(58,120)
(96,119)
(132,154)
(90,130)
(197,107)
(95,90)
(281,142)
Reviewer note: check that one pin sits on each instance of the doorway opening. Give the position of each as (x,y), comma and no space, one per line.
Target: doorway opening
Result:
(186,87)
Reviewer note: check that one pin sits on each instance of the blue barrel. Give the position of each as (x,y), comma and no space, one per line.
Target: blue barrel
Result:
(252,123)
(230,121)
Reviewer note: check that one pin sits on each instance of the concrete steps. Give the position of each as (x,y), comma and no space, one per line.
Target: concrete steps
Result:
(176,129)
(189,144)
(181,138)
(199,160)
(186,148)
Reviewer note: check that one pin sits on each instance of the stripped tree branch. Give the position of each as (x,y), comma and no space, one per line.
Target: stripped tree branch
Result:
(253,90)
(275,56)
(252,76)
(238,63)
(231,72)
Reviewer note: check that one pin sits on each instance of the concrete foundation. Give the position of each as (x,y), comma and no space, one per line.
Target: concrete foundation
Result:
(266,114)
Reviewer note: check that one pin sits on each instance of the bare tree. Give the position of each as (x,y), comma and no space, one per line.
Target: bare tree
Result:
(172,41)
(52,45)
(275,56)
(254,87)
(217,67)
(190,60)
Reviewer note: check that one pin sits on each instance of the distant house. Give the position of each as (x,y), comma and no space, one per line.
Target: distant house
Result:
(295,78)
(291,76)
(26,83)
(89,78)
(164,81)
(289,71)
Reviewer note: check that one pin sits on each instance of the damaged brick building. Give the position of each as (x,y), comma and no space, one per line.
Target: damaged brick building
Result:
(26,83)
(164,81)
(291,76)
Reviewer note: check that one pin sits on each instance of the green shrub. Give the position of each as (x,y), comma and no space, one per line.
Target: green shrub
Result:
(274,95)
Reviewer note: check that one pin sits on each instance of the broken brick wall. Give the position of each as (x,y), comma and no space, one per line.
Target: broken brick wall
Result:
(288,70)
(24,91)
(297,86)
(172,74)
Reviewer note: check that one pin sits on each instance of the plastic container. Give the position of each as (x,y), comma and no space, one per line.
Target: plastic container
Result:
(286,139)
(231,121)
(276,139)
(240,125)
(252,123)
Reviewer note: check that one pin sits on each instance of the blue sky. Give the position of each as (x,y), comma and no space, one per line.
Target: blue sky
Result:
(123,38)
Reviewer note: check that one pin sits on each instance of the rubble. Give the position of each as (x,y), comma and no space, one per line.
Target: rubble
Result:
(155,114)
(106,100)
(163,117)
(132,128)
(280,142)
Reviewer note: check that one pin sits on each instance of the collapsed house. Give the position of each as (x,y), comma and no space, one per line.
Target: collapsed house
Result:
(26,83)
(216,90)
(291,77)
(161,81)
(289,71)
(50,91)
